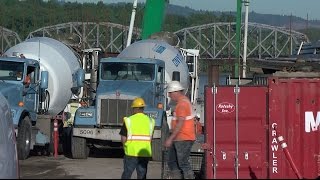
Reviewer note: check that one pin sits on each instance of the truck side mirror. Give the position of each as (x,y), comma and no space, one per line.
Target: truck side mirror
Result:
(80,77)
(44,80)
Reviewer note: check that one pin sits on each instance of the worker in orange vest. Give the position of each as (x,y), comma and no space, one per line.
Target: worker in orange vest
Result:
(182,134)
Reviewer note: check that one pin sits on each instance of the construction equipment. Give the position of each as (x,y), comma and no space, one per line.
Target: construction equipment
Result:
(153,17)
(55,74)
(141,70)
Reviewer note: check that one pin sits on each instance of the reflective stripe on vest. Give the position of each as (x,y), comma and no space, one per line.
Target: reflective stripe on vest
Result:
(187,117)
(139,134)
(144,138)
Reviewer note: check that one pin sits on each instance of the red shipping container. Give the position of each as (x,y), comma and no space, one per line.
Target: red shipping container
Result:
(239,129)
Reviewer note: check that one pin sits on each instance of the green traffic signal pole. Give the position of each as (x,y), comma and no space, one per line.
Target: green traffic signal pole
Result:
(238,38)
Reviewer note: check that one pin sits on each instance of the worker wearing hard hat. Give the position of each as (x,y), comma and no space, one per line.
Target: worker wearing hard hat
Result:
(182,134)
(69,113)
(136,135)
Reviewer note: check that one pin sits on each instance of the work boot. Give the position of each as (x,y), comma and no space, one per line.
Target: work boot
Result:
(189,175)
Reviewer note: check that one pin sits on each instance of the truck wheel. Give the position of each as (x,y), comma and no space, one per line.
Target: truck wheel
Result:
(24,138)
(157,144)
(79,148)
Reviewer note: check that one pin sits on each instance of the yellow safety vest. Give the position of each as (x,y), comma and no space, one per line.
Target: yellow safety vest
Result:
(139,135)
(72,110)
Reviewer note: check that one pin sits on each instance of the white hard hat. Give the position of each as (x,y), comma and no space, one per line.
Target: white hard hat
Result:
(175,86)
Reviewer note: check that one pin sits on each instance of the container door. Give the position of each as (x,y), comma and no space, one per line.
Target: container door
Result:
(235,125)
(295,112)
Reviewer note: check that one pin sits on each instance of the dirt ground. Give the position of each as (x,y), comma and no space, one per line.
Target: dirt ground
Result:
(101,164)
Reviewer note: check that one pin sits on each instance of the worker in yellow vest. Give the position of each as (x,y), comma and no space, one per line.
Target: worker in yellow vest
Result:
(70,112)
(136,134)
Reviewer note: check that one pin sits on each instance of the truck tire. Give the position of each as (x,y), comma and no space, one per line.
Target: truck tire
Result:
(79,148)
(157,144)
(24,138)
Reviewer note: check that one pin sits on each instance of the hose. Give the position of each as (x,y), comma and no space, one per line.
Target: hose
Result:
(47,101)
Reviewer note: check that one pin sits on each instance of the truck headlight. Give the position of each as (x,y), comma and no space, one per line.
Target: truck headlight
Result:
(86,114)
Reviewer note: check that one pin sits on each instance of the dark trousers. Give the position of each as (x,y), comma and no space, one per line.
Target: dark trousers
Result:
(66,141)
(140,164)
(178,160)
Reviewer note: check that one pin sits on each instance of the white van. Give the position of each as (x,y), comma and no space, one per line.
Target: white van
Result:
(9,163)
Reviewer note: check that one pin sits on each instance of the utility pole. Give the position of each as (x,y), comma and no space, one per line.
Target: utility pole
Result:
(238,38)
(246,4)
(307,25)
(291,48)
(133,15)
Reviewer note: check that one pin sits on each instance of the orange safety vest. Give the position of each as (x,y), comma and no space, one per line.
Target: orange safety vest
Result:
(184,109)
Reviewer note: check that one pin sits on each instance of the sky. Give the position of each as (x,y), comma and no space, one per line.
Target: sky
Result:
(300,8)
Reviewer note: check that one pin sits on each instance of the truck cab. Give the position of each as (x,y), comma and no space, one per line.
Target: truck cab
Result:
(18,77)
(120,81)
(20,85)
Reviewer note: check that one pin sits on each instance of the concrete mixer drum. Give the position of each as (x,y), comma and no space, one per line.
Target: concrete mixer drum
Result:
(61,63)
(176,66)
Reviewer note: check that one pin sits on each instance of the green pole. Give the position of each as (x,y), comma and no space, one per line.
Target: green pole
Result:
(153,17)
(238,38)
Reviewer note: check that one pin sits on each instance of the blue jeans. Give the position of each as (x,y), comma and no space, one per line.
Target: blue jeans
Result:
(140,164)
(179,154)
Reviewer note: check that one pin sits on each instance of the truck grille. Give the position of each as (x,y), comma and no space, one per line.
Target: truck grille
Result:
(113,111)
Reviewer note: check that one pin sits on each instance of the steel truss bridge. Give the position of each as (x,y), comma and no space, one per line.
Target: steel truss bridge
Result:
(8,38)
(215,40)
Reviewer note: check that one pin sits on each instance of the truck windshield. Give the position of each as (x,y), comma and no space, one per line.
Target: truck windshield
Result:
(128,71)
(11,70)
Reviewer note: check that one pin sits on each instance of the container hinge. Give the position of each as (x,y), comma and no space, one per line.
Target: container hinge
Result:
(246,156)
(214,90)
(224,155)
(236,90)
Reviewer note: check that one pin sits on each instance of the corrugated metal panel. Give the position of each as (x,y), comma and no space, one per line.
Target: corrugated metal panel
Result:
(261,79)
(292,105)
(295,110)
(113,111)
(252,133)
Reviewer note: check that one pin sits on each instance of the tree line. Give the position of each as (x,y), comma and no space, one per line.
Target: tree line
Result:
(26,16)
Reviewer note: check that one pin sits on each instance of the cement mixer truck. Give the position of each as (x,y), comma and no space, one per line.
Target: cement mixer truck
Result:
(38,78)
(141,70)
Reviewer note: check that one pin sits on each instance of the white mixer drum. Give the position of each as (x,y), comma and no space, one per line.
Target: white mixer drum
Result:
(158,49)
(60,62)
